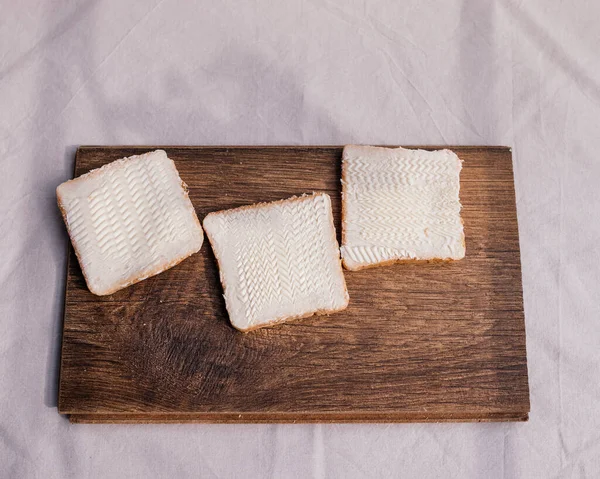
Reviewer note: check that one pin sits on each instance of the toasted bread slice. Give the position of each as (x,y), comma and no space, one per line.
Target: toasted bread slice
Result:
(278,261)
(129,220)
(400,205)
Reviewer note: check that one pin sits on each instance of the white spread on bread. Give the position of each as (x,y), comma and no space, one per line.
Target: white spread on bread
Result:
(400,204)
(278,260)
(129,220)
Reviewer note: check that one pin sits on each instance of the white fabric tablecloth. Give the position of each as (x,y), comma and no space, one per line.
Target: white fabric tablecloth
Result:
(305,72)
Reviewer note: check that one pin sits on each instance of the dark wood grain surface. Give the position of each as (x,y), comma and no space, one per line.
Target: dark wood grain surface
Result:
(418,342)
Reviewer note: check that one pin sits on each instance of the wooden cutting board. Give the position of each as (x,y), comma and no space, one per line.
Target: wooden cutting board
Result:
(419,342)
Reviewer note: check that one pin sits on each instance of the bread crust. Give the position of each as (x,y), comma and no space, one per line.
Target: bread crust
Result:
(394,260)
(397,261)
(282,319)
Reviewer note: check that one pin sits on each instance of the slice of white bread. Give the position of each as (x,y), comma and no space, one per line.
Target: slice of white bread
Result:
(129,220)
(278,261)
(400,205)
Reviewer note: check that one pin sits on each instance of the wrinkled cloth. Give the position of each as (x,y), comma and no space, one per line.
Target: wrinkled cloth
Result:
(306,72)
